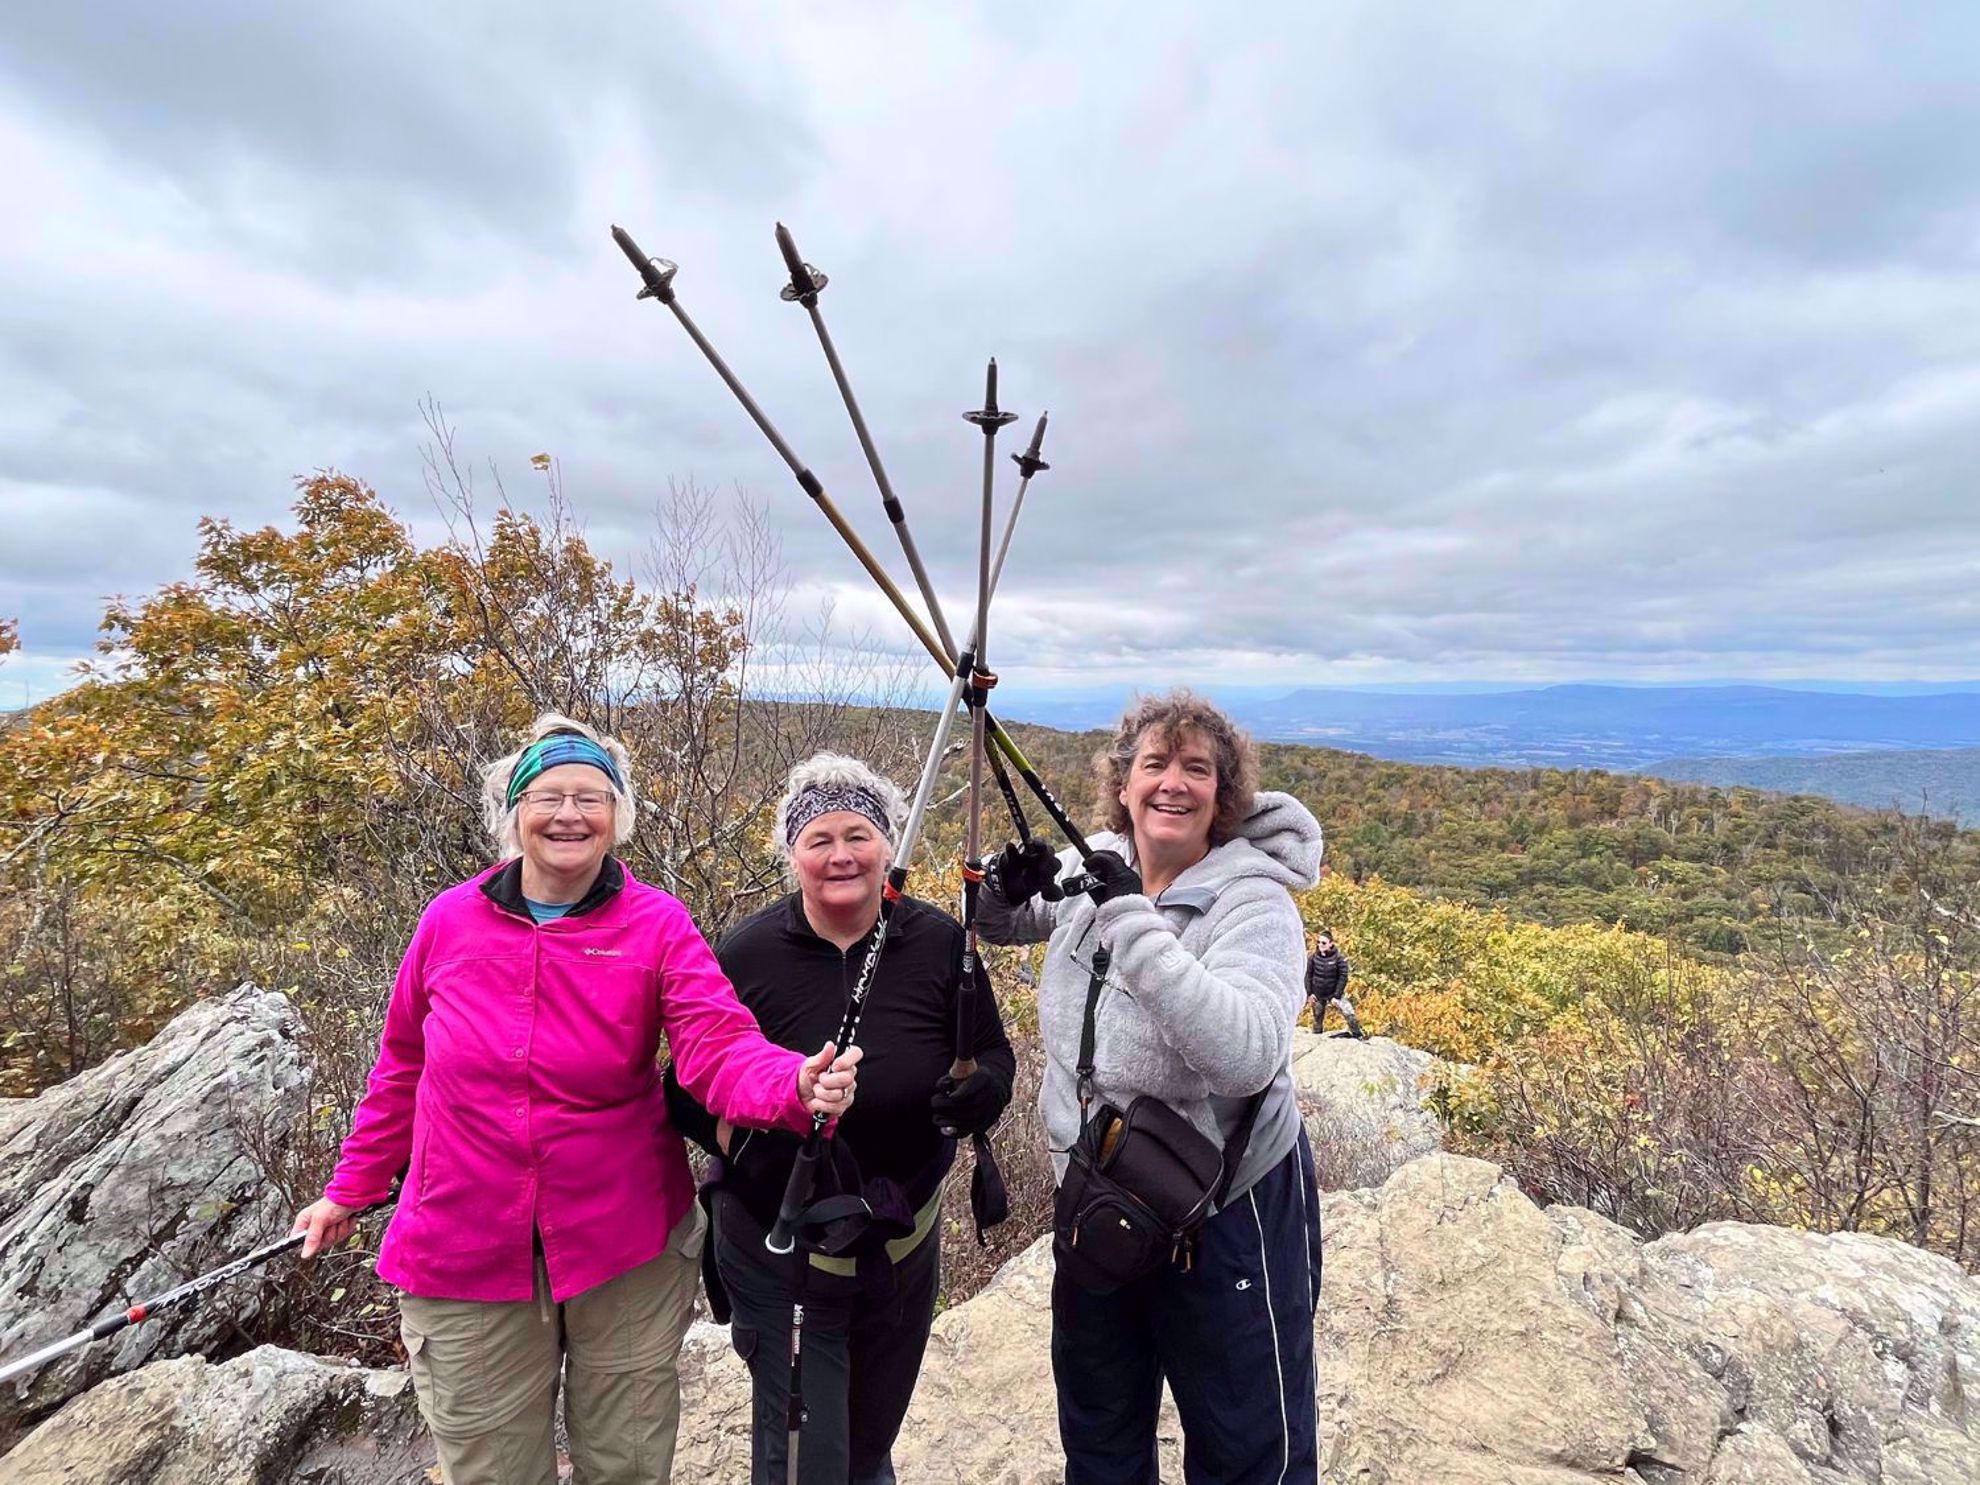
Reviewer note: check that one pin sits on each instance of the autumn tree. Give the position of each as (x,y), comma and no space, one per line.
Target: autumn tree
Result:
(272,765)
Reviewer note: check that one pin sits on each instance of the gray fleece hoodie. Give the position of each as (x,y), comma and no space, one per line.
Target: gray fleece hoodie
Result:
(1205,983)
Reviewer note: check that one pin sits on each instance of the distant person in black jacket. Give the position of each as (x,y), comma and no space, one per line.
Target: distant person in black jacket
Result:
(1327,971)
(867,1311)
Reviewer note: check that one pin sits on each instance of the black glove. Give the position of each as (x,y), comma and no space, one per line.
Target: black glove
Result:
(1112,877)
(1021,872)
(971,1106)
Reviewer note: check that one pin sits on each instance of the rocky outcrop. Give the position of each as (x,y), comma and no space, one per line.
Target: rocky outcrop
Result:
(1363,1102)
(268,1415)
(1468,1336)
(132,1177)
(983,1412)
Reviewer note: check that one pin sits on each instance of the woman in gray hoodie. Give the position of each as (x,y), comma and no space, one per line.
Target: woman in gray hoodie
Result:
(1202,984)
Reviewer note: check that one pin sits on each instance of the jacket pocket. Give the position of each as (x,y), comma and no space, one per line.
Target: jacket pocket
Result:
(417,1363)
(419,1163)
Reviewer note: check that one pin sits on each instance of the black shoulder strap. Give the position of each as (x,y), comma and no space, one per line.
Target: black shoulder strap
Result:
(1102,958)
(1239,1141)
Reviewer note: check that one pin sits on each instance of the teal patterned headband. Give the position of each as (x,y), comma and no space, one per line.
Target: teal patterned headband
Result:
(559,748)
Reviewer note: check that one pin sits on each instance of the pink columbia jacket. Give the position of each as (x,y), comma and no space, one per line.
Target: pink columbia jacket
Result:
(517,1074)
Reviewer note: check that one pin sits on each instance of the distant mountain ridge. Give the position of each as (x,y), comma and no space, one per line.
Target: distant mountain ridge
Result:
(1935,781)
(1625,728)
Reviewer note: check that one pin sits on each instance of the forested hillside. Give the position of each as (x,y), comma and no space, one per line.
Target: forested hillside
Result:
(1708,865)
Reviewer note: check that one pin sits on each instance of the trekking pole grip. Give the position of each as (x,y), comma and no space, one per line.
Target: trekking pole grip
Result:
(797,1194)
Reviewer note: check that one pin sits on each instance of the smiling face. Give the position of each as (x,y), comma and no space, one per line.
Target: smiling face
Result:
(1170,796)
(564,846)
(840,861)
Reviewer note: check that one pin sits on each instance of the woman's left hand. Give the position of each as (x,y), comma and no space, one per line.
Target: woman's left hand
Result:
(1112,877)
(972,1106)
(825,1082)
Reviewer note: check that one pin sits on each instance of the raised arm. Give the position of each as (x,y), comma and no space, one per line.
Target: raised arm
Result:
(1010,909)
(1230,1014)
(721,1056)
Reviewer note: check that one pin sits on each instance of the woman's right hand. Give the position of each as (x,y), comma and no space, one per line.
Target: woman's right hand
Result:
(825,1082)
(327,1223)
(1021,872)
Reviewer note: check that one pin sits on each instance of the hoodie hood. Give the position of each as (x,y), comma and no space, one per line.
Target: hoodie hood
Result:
(1284,831)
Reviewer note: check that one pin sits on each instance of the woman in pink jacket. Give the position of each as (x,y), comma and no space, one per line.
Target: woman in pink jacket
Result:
(547,1221)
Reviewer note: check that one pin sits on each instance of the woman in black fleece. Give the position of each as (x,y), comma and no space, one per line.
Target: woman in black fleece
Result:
(867,1311)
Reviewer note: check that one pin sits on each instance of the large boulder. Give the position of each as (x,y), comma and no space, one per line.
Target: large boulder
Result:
(984,1412)
(131,1178)
(268,1415)
(1364,1103)
(1469,1336)
(1862,1354)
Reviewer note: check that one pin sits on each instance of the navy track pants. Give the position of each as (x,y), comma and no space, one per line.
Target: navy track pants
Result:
(1233,1337)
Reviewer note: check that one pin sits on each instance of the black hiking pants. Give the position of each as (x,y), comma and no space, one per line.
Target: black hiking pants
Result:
(861,1358)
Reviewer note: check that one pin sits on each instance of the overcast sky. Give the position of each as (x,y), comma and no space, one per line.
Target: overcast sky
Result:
(1382,341)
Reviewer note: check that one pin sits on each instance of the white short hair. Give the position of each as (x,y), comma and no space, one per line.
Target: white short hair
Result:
(836,771)
(500,816)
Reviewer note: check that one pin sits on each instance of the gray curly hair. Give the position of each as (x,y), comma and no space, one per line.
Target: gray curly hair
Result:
(499,816)
(835,771)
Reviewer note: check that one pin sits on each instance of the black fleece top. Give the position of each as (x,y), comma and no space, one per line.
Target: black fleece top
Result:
(796,984)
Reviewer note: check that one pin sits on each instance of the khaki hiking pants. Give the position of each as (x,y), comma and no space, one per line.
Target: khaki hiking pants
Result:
(487,1374)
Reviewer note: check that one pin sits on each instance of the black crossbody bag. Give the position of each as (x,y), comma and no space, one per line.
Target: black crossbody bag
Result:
(1139,1182)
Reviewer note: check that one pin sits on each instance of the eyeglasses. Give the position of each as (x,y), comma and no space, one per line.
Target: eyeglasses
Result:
(549,801)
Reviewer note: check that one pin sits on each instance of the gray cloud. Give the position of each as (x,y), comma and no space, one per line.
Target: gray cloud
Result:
(1380,341)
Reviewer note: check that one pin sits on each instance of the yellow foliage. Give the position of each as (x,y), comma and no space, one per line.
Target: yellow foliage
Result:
(1464,983)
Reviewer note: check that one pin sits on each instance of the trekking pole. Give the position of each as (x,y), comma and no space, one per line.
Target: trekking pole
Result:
(1028,464)
(989,418)
(658,275)
(782,1237)
(807,282)
(144,1310)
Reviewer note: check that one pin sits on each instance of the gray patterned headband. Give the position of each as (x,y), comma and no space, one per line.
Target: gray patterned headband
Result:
(826,799)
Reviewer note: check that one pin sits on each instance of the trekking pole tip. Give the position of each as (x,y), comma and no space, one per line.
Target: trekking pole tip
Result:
(1028,462)
(806,281)
(991,417)
(657,272)
(797,1195)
